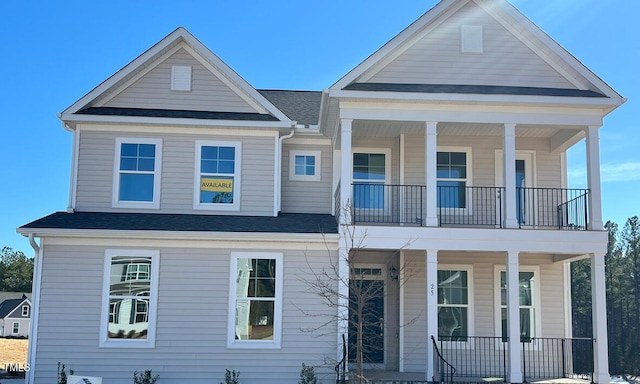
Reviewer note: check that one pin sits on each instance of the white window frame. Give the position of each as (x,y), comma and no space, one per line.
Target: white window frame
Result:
(470,298)
(237,176)
(155,203)
(150,341)
(537,302)
(292,165)
(181,78)
(15,328)
(276,343)
(468,180)
(387,173)
(25,310)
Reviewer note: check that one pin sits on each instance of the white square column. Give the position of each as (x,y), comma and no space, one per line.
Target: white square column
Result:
(431,173)
(431,265)
(346,172)
(509,176)
(599,317)
(593,179)
(514,370)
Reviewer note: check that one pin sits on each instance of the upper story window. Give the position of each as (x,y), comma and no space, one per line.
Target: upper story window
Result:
(129,298)
(370,173)
(217,181)
(453,177)
(304,165)
(137,173)
(255,303)
(25,310)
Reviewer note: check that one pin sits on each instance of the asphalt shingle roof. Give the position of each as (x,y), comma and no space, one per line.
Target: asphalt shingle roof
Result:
(7,306)
(471,89)
(208,115)
(300,106)
(283,223)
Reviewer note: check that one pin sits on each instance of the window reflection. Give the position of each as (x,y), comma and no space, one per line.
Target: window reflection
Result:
(129,287)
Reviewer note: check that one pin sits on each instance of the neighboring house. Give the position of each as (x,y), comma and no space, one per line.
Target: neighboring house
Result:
(199,205)
(15,314)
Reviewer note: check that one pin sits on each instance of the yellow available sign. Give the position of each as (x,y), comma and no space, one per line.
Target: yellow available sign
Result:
(216,185)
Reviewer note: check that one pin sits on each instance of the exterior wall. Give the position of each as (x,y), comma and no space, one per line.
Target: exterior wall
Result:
(436,58)
(153,90)
(191,331)
(307,196)
(96,162)
(7,327)
(483,298)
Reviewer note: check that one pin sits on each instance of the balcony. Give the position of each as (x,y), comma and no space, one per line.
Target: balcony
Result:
(467,206)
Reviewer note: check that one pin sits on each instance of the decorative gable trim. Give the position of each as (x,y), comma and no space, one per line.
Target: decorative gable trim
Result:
(178,39)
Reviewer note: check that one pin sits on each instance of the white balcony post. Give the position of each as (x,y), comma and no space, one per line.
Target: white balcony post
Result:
(509,176)
(593,179)
(599,316)
(430,173)
(513,319)
(346,172)
(431,265)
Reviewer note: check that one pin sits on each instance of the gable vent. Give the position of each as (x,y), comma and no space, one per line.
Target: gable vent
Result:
(471,39)
(181,78)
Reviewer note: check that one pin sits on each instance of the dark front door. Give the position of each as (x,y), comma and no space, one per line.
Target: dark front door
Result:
(370,295)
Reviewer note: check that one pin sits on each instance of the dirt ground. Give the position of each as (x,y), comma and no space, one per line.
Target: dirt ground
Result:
(13,351)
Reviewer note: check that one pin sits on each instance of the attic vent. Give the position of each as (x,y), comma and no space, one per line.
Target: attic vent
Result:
(181,78)
(471,39)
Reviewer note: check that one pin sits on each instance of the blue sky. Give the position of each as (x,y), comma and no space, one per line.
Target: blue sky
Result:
(57,51)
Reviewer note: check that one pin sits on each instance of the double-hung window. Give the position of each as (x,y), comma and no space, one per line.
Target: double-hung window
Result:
(16,328)
(217,181)
(255,305)
(129,298)
(369,177)
(25,310)
(137,173)
(453,177)
(304,165)
(454,291)
(528,290)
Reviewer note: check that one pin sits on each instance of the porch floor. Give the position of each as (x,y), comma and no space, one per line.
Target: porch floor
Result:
(394,377)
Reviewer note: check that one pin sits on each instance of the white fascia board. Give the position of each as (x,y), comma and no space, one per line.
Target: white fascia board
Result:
(175,239)
(67,117)
(489,116)
(481,240)
(402,38)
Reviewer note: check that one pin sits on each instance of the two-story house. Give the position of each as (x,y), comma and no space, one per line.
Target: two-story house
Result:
(435,170)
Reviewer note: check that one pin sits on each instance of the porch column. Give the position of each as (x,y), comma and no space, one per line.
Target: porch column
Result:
(509,175)
(593,179)
(599,316)
(346,171)
(430,173)
(346,178)
(514,370)
(431,265)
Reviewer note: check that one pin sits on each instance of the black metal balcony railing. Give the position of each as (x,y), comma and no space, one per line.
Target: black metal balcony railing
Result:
(470,206)
(542,358)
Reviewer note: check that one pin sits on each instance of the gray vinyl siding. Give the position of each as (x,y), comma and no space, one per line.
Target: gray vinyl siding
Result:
(96,162)
(550,288)
(436,58)
(548,170)
(307,196)
(192,313)
(153,90)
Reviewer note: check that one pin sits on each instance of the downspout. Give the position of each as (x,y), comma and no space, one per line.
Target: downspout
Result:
(35,309)
(278,181)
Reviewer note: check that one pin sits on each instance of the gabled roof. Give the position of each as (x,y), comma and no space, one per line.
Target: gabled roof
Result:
(9,305)
(510,19)
(91,106)
(300,106)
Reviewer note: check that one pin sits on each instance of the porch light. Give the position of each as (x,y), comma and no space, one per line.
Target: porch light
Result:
(393,273)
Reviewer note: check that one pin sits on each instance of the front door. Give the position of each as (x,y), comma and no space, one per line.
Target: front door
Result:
(366,292)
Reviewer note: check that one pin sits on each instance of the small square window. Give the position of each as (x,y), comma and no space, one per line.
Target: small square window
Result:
(304,165)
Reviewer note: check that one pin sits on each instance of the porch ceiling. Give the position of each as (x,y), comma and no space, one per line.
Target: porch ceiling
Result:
(385,129)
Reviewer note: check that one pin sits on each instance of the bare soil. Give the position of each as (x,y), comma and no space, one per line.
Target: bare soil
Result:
(12,351)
